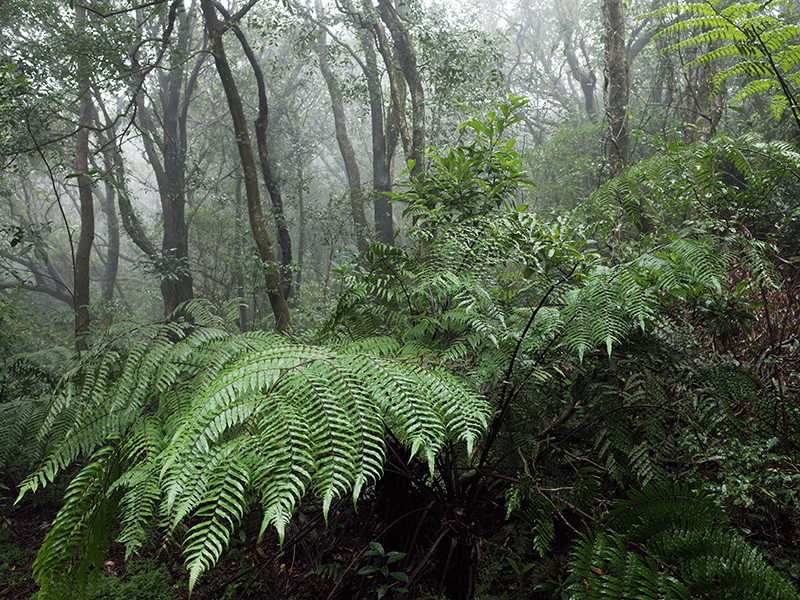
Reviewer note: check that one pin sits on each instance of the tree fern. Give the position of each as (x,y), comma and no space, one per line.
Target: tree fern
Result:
(189,422)
(26,385)
(722,188)
(759,40)
(668,541)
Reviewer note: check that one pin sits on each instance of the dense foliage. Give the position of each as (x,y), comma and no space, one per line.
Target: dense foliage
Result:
(486,389)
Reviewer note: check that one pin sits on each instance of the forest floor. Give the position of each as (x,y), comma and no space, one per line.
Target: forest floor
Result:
(244,572)
(22,529)
(314,562)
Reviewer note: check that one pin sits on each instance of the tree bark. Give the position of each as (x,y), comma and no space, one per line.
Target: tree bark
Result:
(351,169)
(616,85)
(83,251)
(270,181)
(407,58)
(258,224)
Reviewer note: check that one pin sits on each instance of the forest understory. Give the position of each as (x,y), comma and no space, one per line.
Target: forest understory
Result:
(399,299)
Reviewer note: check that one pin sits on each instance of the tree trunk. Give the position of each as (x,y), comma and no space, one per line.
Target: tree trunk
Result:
(407,58)
(176,278)
(114,181)
(616,86)
(397,124)
(617,93)
(343,140)
(301,226)
(84,249)
(582,73)
(238,255)
(270,181)
(258,225)
(112,223)
(167,155)
(381,163)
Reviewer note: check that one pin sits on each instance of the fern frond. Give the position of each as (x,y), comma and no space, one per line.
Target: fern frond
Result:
(667,541)
(751,88)
(747,33)
(139,484)
(76,543)
(197,423)
(219,511)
